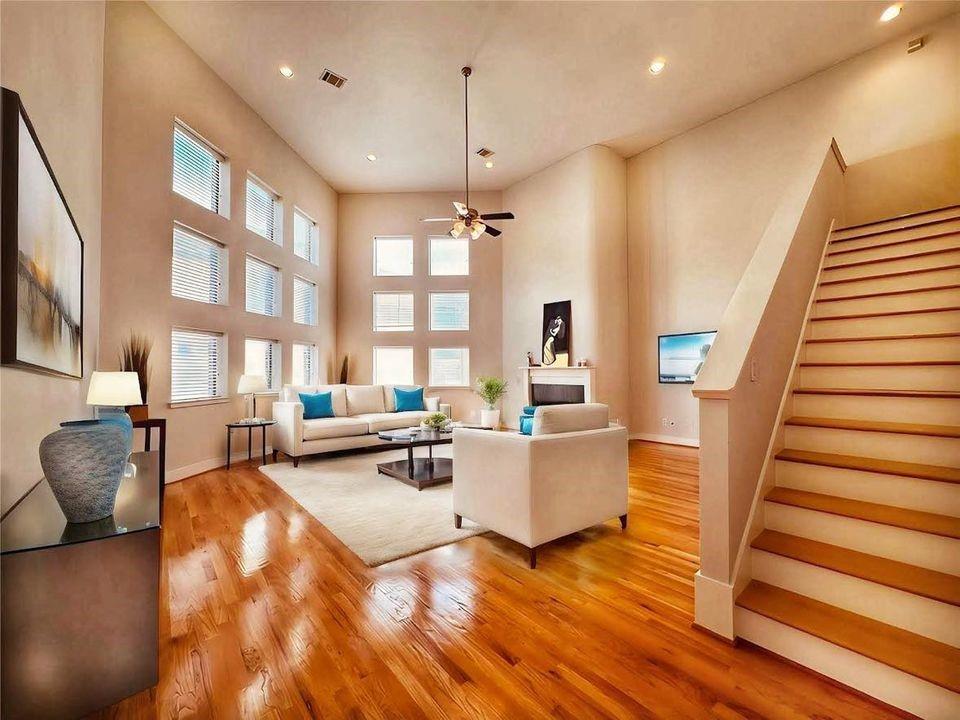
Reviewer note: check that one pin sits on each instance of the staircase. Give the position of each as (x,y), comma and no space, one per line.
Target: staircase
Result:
(856,573)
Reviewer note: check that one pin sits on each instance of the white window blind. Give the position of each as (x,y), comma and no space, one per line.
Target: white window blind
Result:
(304,364)
(262,357)
(196,169)
(199,269)
(264,213)
(449,256)
(392,312)
(449,367)
(450,311)
(197,362)
(304,301)
(393,366)
(305,237)
(263,287)
(393,256)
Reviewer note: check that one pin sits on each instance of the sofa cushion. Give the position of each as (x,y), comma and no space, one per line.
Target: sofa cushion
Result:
(551,419)
(291,393)
(378,422)
(333,428)
(364,399)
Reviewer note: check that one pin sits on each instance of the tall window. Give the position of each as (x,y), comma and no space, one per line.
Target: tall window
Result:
(393,256)
(263,287)
(449,367)
(450,311)
(199,270)
(392,312)
(305,237)
(199,170)
(197,365)
(264,211)
(262,357)
(305,364)
(393,366)
(449,256)
(304,301)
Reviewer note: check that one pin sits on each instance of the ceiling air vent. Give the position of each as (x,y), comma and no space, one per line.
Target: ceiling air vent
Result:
(484,152)
(331,77)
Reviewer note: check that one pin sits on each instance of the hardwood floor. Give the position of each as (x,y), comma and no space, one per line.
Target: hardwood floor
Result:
(265,614)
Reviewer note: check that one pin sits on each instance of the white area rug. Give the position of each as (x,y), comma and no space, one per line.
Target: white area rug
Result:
(377,517)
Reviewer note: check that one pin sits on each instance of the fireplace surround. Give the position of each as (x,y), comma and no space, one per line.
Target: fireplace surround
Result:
(558,385)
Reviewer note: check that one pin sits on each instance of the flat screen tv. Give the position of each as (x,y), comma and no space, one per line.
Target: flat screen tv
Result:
(682,355)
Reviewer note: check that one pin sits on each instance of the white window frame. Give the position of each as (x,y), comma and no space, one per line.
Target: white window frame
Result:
(221,377)
(449,292)
(313,256)
(275,381)
(278,299)
(446,238)
(276,234)
(223,279)
(433,381)
(376,242)
(316,300)
(413,312)
(413,364)
(295,350)
(223,184)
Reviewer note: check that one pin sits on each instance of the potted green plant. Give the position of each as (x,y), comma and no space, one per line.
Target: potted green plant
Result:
(490,389)
(435,421)
(135,357)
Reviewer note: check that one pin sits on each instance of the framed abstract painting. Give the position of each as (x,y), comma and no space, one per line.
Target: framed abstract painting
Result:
(41,256)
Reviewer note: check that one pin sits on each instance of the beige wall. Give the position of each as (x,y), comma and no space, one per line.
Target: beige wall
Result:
(150,78)
(52,54)
(361,218)
(568,243)
(698,203)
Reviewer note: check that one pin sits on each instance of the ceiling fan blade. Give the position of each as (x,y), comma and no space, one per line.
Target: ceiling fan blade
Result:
(497,216)
(461,208)
(450,220)
(493,232)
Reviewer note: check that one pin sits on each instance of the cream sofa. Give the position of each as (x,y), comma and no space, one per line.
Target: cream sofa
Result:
(361,411)
(570,474)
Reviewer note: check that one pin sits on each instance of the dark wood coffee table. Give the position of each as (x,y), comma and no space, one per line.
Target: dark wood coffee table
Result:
(418,472)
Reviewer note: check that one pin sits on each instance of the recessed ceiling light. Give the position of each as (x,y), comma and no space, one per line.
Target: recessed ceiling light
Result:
(371,157)
(657,66)
(488,164)
(286,71)
(891,12)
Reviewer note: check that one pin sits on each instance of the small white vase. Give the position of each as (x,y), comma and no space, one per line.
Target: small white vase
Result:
(490,418)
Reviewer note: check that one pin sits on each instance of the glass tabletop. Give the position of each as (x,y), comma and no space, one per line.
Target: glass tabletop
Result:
(251,423)
(419,436)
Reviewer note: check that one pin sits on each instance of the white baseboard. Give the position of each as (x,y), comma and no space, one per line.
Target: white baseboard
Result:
(196,468)
(666,439)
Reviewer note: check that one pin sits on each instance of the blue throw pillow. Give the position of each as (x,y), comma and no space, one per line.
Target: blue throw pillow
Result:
(407,400)
(526,424)
(529,410)
(319,405)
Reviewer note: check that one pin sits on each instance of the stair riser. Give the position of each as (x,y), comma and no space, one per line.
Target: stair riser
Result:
(875,679)
(900,282)
(920,323)
(858,407)
(880,377)
(887,446)
(907,263)
(947,348)
(882,249)
(931,496)
(918,227)
(890,303)
(917,614)
(916,548)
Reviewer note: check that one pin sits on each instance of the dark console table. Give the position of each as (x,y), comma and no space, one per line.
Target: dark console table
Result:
(80,602)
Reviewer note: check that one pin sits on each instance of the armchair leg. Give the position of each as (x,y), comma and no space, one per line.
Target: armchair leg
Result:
(457,521)
(533,558)
(623,521)
(296,461)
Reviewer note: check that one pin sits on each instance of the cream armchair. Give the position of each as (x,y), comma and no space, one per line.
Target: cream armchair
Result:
(570,474)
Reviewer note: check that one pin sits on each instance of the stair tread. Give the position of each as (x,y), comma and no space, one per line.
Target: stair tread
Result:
(897,273)
(917,520)
(893,243)
(872,338)
(871,392)
(904,216)
(892,258)
(949,431)
(914,654)
(874,465)
(887,313)
(877,363)
(892,573)
(890,293)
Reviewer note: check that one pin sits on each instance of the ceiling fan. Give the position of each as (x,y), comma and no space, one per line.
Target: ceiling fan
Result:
(469,220)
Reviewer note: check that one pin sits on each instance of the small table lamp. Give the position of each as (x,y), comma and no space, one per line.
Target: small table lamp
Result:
(109,393)
(251,385)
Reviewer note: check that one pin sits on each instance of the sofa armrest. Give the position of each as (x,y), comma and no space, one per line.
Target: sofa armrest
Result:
(288,432)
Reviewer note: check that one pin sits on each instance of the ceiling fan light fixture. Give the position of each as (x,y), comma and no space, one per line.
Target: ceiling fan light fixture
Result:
(476,230)
(457,230)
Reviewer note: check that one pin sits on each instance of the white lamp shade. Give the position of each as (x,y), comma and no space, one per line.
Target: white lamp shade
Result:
(251,384)
(114,389)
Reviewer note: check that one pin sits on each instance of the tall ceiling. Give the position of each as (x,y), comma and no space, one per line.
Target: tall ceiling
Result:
(549,77)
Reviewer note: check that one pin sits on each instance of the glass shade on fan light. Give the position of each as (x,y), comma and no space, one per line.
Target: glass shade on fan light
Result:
(458,227)
(476,230)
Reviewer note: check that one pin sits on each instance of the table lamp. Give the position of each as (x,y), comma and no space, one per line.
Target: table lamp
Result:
(251,385)
(110,393)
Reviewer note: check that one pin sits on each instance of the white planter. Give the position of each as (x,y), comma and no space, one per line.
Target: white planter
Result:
(490,418)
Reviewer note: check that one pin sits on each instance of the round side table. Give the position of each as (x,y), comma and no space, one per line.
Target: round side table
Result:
(249,425)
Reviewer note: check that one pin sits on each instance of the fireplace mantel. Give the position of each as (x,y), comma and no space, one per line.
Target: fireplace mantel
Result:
(585,376)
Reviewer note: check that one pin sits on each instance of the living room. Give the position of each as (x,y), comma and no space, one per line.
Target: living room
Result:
(474,340)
